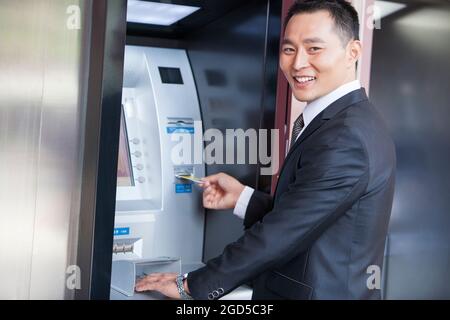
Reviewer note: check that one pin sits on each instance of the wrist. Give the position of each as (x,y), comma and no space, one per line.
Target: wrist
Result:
(181,287)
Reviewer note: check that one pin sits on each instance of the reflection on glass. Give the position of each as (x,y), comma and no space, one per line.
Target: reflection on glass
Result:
(124,171)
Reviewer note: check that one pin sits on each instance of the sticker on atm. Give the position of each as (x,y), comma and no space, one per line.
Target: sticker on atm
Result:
(188,130)
(121,231)
(183,188)
(189,177)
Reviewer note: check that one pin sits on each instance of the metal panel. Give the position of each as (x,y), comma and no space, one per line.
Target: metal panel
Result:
(55,91)
(41,110)
(98,191)
(409,85)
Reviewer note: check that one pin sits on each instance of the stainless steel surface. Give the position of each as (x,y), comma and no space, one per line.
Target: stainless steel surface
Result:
(41,63)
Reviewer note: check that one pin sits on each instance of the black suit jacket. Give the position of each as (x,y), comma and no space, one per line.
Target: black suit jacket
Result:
(327,222)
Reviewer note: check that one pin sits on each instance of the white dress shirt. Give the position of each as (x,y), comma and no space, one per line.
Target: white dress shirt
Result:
(311,111)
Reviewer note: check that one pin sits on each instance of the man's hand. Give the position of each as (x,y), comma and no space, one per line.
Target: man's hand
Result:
(164,283)
(221,191)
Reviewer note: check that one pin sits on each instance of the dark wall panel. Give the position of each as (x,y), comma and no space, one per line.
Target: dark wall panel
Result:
(234,69)
(409,84)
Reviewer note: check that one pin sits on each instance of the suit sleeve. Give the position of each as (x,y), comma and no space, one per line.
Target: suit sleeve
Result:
(331,176)
(259,205)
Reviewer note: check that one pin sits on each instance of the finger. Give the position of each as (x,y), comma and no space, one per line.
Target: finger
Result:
(204,184)
(211,193)
(144,284)
(151,278)
(208,203)
(147,287)
(214,178)
(154,277)
(149,283)
(208,190)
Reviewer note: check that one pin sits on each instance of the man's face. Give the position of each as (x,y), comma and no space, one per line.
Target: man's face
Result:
(313,57)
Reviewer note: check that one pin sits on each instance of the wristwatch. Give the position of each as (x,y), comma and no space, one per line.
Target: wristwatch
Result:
(180,286)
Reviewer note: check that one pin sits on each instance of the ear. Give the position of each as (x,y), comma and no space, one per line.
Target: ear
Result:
(354,50)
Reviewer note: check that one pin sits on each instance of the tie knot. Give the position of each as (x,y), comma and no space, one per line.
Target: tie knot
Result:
(299,124)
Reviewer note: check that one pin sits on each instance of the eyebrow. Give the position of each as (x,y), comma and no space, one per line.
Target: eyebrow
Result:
(305,41)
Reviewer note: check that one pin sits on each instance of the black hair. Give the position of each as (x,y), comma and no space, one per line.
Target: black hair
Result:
(343,13)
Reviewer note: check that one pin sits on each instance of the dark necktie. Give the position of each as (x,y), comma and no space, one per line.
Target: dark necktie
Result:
(299,123)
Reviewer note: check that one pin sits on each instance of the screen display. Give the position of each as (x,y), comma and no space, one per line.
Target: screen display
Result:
(170,75)
(124,167)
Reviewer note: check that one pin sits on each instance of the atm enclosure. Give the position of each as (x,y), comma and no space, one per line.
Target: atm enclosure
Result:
(174,90)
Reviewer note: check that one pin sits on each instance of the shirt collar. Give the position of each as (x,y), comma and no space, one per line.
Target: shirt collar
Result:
(315,107)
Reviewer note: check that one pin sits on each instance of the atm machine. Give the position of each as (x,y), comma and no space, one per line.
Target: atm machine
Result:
(159,220)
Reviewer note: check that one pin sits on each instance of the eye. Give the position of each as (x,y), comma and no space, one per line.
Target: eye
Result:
(314,49)
(288,50)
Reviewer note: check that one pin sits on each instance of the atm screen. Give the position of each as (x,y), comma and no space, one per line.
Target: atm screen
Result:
(170,75)
(124,168)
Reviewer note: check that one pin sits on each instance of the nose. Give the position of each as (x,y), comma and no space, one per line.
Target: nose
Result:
(301,60)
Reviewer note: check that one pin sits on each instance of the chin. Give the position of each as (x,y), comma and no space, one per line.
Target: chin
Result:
(304,97)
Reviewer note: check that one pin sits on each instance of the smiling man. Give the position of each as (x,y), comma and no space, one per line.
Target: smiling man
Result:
(322,234)
(321,57)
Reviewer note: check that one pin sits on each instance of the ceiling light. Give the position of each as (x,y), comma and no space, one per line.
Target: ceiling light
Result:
(386,8)
(163,14)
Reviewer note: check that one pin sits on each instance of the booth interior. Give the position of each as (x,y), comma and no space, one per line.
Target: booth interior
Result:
(216,68)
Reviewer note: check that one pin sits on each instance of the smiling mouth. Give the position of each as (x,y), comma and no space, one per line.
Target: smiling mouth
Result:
(304,80)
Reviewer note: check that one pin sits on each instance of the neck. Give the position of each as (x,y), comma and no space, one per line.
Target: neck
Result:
(335,91)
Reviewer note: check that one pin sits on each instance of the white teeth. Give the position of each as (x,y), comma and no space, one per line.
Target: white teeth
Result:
(304,79)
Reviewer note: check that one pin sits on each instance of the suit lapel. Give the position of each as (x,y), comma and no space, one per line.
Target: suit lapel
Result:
(329,112)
